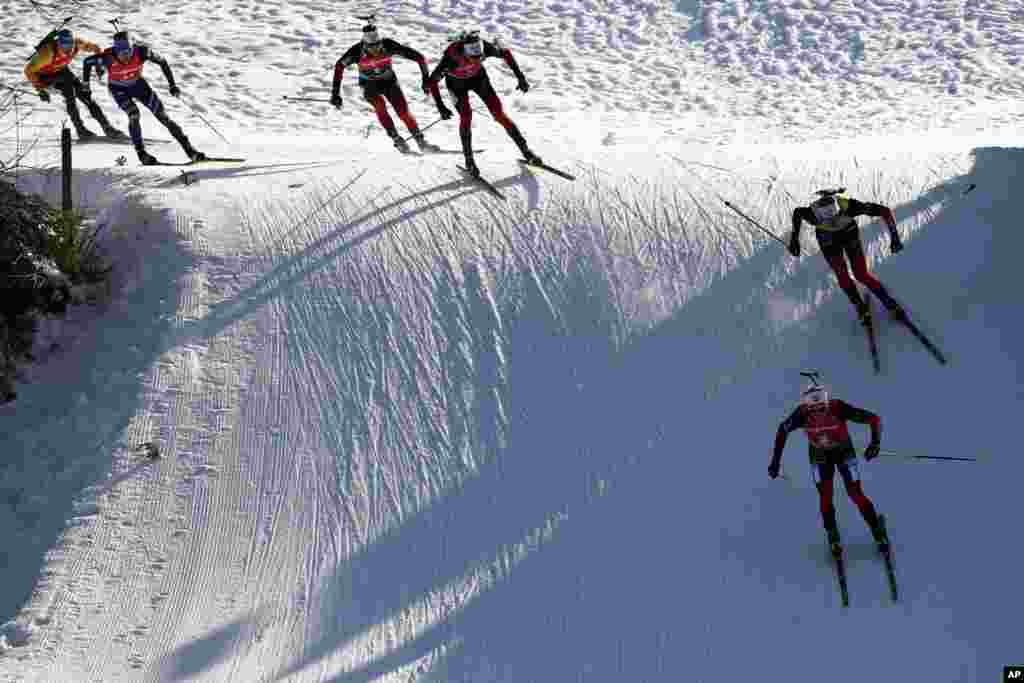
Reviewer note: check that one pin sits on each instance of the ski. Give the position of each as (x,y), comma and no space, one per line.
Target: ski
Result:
(421,153)
(890,572)
(840,567)
(869,329)
(222,160)
(107,140)
(447,151)
(483,181)
(550,169)
(921,337)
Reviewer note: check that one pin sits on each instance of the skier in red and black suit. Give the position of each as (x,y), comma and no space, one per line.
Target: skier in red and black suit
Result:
(372,56)
(463,71)
(835,218)
(830,448)
(124,63)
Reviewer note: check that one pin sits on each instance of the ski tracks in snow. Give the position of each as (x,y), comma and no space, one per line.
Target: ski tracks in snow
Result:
(176,565)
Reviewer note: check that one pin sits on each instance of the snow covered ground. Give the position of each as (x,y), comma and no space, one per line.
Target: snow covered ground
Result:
(411,433)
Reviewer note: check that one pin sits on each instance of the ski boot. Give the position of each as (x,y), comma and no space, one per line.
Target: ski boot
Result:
(145,158)
(881,535)
(114,133)
(833,543)
(400,144)
(531,158)
(425,147)
(84,133)
(864,313)
(195,155)
(471,168)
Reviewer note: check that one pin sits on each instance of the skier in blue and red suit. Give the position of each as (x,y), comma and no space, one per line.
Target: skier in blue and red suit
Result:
(823,419)
(463,71)
(124,63)
(834,217)
(372,56)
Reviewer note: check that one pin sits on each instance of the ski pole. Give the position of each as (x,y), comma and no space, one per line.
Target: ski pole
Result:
(18,91)
(751,220)
(893,454)
(203,119)
(423,129)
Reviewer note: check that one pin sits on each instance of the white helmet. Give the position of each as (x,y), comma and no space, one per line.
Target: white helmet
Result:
(815,396)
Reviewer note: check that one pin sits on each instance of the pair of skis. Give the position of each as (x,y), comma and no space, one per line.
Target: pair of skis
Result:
(890,572)
(489,186)
(869,329)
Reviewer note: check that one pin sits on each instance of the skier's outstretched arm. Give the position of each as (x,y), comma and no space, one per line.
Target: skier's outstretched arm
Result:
(860,416)
(149,55)
(858,208)
(92,62)
(350,57)
(499,50)
(791,423)
(441,69)
(800,214)
(429,86)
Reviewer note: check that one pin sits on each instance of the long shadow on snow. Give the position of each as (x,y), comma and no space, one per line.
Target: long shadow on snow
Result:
(243,170)
(321,252)
(580,412)
(58,437)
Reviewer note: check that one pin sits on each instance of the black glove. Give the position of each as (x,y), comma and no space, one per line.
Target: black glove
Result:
(871,452)
(336,101)
(773,469)
(522,85)
(794,248)
(895,244)
(43,95)
(175,91)
(444,111)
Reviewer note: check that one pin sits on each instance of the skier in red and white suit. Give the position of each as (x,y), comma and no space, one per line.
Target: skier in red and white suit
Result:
(372,57)
(823,419)
(463,70)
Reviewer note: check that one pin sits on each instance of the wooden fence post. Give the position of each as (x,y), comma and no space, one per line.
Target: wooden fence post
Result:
(65,157)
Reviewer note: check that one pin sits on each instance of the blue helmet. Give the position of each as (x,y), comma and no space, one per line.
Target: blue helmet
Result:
(65,39)
(122,44)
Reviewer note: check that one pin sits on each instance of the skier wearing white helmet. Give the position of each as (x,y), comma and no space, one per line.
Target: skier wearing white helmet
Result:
(823,418)
(463,71)
(372,56)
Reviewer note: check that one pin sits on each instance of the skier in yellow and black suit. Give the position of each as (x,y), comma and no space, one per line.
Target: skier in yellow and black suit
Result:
(49,67)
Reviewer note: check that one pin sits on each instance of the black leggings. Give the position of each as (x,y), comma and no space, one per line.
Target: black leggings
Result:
(70,87)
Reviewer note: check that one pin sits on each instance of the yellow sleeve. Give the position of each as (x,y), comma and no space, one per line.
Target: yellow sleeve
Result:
(41,58)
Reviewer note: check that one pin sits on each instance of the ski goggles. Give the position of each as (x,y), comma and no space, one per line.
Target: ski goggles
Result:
(65,42)
(473,48)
